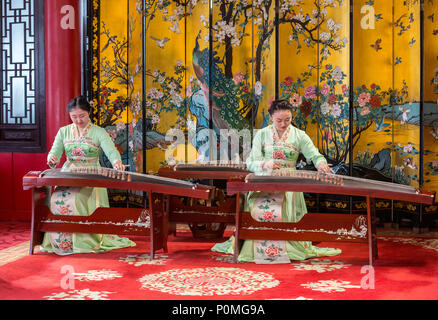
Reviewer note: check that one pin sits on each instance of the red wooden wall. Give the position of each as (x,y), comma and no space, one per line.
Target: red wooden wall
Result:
(63,82)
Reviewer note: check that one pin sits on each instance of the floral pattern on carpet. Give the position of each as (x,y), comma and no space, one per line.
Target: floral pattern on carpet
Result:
(329,286)
(97,275)
(138,260)
(320,266)
(208,281)
(406,269)
(431,244)
(84,294)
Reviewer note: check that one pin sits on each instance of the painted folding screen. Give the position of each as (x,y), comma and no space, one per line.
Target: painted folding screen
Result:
(196,70)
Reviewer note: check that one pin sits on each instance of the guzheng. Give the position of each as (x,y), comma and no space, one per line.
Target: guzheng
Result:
(213,215)
(147,221)
(317,226)
(221,171)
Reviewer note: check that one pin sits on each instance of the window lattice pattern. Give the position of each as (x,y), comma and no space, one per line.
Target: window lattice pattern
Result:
(18,62)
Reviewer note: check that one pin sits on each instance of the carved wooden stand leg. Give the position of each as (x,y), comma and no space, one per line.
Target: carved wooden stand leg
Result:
(372,237)
(40,199)
(157,224)
(237,227)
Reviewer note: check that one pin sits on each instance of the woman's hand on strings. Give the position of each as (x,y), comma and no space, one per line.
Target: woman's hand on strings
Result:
(324,167)
(52,161)
(118,165)
(271,164)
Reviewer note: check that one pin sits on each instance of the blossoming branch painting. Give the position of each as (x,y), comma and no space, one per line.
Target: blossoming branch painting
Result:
(197,67)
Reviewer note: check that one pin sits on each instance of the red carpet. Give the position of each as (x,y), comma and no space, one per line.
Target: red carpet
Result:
(407,269)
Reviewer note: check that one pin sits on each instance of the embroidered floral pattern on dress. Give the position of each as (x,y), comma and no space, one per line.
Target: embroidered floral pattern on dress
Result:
(268,145)
(65,211)
(81,150)
(78,152)
(62,242)
(269,216)
(272,250)
(63,203)
(267,208)
(284,153)
(284,137)
(82,140)
(83,161)
(75,130)
(278,154)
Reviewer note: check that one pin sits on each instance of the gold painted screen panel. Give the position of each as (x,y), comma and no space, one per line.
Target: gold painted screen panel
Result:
(189,70)
(430,128)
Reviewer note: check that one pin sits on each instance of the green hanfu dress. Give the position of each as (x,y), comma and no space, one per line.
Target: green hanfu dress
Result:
(81,151)
(275,206)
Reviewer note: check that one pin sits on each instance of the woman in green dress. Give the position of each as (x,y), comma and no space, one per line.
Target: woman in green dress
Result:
(82,142)
(274,147)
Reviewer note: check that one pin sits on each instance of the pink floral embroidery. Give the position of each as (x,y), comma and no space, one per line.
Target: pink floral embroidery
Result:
(284,137)
(75,130)
(64,210)
(279,154)
(65,245)
(269,215)
(78,151)
(272,251)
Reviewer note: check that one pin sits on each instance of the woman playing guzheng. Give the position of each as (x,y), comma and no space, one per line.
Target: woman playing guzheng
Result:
(82,142)
(277,146)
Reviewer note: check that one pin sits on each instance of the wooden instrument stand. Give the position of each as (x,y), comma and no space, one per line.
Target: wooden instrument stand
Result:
(147,221)
(316,226)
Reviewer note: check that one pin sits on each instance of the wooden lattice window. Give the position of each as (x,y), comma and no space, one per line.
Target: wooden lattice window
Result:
(22,103)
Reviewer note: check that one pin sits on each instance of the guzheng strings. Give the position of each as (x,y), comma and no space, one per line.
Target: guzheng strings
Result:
(121,175)
(211,166)
(102,171)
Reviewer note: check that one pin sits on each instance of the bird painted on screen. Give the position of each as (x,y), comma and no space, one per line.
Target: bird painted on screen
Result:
(377,46)
(160,43)
(404,116)
(219,89)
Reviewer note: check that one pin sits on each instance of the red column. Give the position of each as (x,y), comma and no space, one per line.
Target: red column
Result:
(63,82)
(63,61)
